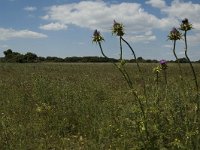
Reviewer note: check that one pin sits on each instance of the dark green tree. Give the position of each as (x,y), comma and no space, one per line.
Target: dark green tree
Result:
(11,56)
(8,54)
(30,57)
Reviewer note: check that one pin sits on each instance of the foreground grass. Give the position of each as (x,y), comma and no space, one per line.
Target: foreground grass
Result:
(89,106)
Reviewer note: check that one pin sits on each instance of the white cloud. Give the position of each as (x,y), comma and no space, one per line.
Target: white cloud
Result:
(54,26)
(145,37)
(46,17)
(180,10)
(30,8)
(157,3)
(100,15)
(177,11)
(7,34)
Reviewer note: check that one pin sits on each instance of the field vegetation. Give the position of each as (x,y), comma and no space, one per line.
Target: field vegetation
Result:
(90,106)
(116,105)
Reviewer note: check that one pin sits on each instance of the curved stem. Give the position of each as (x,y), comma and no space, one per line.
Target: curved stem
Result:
(157,76)
(165,76)
(120,40)
(144,86)
(132,52)
(123,72)
(195,78)
(127,78)
(177,58)
(143,114)
(191,66)
(102,50)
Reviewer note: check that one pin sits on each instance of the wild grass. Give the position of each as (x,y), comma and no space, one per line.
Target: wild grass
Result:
(90,106)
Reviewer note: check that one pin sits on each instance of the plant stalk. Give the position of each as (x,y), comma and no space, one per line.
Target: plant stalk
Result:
(127,78)
(139,69)
(120,40)
(123,71)
(178,61)
(191,66)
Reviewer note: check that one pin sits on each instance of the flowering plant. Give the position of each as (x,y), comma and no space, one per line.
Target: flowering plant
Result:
(174,34)
(118,29)
(186,25)
(97,37)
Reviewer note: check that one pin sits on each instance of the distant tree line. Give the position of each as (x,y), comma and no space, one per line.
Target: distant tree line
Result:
(11,56)
(15,57)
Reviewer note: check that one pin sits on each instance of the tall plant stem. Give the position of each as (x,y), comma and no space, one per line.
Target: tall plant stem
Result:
(157,76)
(191,66)
(102,50)
(165,76)
(133,54)
(143,114)
(195,79)
(123,71)
(120,41)
(144,86)
(139,69)
(174,48)
(135,94)
(127,78)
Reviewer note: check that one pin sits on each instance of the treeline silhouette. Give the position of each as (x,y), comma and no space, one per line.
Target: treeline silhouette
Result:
(15,57)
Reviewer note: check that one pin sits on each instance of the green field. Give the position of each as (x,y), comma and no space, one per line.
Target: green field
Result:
(90,106)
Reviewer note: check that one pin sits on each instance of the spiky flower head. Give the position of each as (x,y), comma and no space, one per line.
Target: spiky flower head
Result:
(185,25)
(118,29)
(97,37)
(174,34)
(163,64)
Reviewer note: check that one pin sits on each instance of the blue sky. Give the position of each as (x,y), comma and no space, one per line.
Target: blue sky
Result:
(64,28)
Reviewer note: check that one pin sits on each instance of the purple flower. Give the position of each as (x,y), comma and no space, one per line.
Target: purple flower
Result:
(163,64)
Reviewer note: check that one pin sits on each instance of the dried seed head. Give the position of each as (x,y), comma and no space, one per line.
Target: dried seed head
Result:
(185,25)
(118,29)
(174,34)
(97,37)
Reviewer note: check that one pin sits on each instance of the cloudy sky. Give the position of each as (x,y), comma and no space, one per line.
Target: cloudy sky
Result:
(64,28)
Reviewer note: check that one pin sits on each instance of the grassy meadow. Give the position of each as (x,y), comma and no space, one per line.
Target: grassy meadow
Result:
(90,106)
